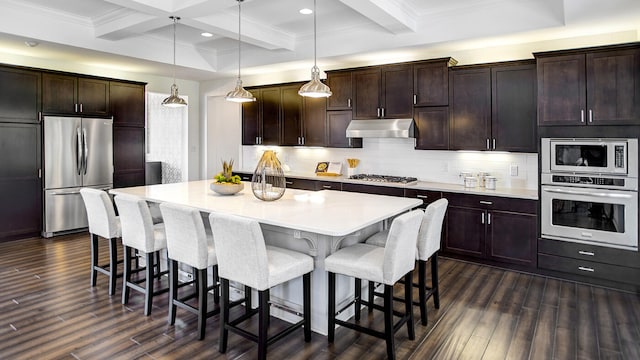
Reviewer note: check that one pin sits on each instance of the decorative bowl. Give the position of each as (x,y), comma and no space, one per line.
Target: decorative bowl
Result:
(226,188)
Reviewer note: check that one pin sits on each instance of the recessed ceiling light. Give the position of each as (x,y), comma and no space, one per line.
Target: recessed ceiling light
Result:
(306,11)
(207,34)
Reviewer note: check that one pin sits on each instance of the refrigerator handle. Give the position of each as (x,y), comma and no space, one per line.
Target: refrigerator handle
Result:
(79,151)
(86,149)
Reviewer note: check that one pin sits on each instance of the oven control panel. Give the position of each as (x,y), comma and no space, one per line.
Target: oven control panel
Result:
(588,180)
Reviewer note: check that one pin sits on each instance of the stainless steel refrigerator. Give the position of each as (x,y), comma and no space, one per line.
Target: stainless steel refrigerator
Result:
(78,152)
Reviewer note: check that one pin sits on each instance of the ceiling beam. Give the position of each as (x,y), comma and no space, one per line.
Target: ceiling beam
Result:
(395,16)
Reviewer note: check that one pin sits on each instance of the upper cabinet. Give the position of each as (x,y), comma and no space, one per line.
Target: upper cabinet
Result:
(19,95)
(493,107)
(599,86)
(261,118)
(383,92)
(127,103)
(340,83)
(431,82)
(66,94)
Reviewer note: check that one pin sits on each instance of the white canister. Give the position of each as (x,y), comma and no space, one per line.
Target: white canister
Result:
(490,182)
(470,182)
(481,176)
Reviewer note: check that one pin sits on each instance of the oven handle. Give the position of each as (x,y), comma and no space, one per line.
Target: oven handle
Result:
(585,193)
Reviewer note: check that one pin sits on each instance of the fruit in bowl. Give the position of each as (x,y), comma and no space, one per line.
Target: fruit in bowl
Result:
(225,182)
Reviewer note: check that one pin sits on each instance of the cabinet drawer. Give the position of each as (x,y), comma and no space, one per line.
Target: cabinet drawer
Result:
(589,252)
(328,185)
(373,189)
(590,269)
(302,184)
(426,196)
(492,203)
(244,176)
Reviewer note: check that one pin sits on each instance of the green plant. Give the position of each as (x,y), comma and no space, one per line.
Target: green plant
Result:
(226,176)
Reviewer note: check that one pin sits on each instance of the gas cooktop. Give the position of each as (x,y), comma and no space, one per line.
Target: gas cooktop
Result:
(384,178)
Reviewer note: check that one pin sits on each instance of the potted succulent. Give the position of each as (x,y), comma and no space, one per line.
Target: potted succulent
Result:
(225,183)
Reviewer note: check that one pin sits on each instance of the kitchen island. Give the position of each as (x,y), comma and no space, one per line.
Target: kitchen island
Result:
(316,223)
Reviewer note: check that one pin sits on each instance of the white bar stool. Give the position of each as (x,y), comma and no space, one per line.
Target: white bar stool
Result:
(139,233)
(243,257)
(189,244)
(104,223)
(384,265)
(429,239)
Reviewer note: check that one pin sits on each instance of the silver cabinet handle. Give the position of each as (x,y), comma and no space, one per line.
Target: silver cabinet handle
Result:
(587,253)
(326,186)
(581,115)
(486,202)
(590,115)
(289,182)
(348,103)
(482,221)
(422,196)
(378,112)
(80,107)
(585,193)
(302,140)
(494,143)
(587,269)
(257,141)
(489,219)
(415,99)
(488,144)
(75,108)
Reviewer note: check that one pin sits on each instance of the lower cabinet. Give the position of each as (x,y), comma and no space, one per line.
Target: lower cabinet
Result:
(373,189)
(490,228)
(128,156)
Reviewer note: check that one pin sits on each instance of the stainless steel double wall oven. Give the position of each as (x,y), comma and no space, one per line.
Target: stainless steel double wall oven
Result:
(589,191)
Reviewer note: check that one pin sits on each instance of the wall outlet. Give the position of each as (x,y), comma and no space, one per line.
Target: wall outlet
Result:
(513,170)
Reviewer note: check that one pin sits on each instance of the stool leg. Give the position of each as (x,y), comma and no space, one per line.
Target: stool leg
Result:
(94,258)
(434,280)
(216,289)
(126,275)
(247,300)
(113,265)
(358,296)
(331,307)
(263,323)
(408,304)
(388,321)
(372,288)
(306,296)
(173,290)
(148,296)
(202,302)
(224,315)
(422,285)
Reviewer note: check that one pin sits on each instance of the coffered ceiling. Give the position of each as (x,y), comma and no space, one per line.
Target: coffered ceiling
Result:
(136,35)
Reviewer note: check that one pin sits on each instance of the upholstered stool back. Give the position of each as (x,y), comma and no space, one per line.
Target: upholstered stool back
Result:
(187,240)
(400,248)
(431,229)
(100,213)
(138,231)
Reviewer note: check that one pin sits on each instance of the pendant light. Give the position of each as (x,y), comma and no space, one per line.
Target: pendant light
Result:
(174,100)
(314,88)
(239,94)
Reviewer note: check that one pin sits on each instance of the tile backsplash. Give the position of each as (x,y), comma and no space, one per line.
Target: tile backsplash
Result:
(398,157)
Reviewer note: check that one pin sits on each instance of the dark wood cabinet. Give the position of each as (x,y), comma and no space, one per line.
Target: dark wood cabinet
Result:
(383,92)
(328,185)
(373,189)
(128,156)
(470,108)
(599,86)
(496,229)
(127,102)
(301,184)
(431,127)
(270,105)
(337,122)
(493,107)
(513,108)
(20,182)
(19,95)
(67,94)
(431,82)
(314,120)
(291,115)
(251,122)
(340,84)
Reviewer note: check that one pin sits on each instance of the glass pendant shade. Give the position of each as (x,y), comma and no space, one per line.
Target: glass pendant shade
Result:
(315,88)
(174,100)
(268,181)
(239,94)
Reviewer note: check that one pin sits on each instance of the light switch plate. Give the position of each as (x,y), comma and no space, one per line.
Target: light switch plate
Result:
(513,170)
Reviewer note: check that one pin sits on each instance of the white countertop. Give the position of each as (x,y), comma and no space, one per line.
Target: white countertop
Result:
(327,212)
(423,185)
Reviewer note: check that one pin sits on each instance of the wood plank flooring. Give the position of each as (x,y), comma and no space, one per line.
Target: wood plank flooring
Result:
(49,311)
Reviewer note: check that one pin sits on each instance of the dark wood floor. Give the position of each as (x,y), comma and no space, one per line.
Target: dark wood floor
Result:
(48,311)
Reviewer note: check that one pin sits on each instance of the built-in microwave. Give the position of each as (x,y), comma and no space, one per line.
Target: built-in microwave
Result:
(586,155)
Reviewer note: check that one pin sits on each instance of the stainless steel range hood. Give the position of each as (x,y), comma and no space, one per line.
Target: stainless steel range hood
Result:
(381,128)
